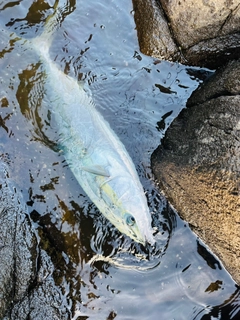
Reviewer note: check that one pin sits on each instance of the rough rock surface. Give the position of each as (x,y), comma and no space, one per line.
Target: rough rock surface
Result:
(18,246)
(198,164)
(193,21)
(203,33)
(27,289)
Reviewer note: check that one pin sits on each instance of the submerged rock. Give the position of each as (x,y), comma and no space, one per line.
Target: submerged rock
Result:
(192,32)
(17,245)
(198,164)
(27,287)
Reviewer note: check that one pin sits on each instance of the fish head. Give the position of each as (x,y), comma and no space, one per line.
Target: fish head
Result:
(135,229)
(127,209)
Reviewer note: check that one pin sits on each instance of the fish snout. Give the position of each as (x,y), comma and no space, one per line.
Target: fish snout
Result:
(149,239)
(146,239)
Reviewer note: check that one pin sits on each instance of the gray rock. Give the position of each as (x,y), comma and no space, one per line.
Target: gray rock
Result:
(17,245)
(225,82)
(198,165)
(27,288)
(213,53)
(44,300)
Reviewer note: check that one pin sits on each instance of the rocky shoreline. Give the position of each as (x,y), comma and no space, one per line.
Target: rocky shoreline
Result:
(197,164)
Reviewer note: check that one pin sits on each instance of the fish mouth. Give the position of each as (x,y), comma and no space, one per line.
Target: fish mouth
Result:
(151,242)
(146,240)
(149,239)
(142,241)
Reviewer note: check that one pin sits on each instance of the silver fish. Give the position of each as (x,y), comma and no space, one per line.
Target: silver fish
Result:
(96,156)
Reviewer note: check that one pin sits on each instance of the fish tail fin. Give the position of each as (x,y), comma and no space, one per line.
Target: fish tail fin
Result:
(43,42)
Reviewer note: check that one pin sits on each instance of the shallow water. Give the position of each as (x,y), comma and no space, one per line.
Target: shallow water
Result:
(101,273)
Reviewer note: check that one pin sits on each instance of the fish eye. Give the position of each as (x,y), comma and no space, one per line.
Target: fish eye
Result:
(130,220)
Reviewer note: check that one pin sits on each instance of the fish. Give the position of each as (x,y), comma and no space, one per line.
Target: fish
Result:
(94,153)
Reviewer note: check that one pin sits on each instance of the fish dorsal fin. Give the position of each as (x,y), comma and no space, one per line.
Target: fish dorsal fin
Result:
(97,170)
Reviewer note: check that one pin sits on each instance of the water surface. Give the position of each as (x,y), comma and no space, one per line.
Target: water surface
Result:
(101,273)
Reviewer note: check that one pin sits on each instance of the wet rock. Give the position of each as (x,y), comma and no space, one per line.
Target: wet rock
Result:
(154,35)
(43,300)
(225,82)
(204,33)
(17,245)
(198,164)
(27,287)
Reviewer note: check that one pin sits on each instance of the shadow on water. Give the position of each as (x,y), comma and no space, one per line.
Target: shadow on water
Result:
(102,273)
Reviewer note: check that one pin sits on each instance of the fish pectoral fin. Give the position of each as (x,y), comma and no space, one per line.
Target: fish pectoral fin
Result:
(97,169)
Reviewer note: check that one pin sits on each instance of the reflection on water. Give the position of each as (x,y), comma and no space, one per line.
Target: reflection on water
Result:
(101,273)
